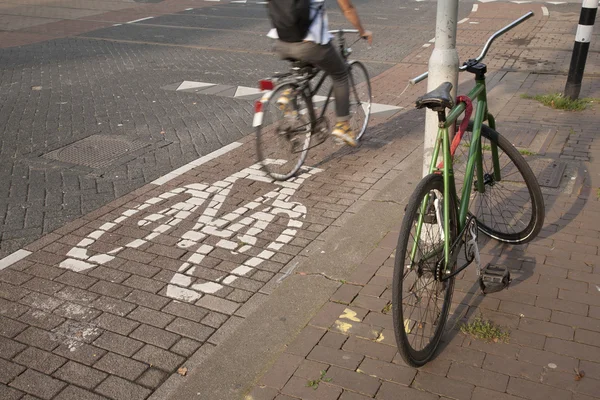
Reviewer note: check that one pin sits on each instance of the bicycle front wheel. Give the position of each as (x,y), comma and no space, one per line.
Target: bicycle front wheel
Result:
(511,209)
(360,98)
(283,132)
(420,301)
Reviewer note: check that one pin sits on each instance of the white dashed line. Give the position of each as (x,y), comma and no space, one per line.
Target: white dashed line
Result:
(462,21)
(475,7)
(138,20)
(545,11)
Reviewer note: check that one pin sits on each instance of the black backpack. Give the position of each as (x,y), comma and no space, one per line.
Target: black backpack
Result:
(291,18)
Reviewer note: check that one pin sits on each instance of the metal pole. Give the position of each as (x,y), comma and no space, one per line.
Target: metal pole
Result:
(581,47)
(443,67)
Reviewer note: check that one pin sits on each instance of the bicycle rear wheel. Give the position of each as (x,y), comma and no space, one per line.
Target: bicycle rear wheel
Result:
(360,98)
(283,132)
(420,301)
(511,209)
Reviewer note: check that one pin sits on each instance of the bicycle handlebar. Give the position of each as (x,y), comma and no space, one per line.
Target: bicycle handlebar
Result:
(486,47)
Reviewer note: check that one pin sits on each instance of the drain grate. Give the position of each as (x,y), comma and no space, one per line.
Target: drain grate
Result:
(97,151)
(549,172)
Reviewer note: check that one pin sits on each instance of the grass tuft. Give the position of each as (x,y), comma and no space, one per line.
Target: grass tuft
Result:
(485,330)
(560,102)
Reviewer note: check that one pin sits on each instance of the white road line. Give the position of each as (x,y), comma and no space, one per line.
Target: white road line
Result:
(188,9)
(475,7)
(202,160)
(138,20)
(462,21)
(13,258)
(432,40)
(545,11)
(427,45)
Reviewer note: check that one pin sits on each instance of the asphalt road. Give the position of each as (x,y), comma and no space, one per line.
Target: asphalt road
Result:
(86,119)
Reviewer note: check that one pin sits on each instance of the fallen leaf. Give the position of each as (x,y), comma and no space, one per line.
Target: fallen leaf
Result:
(182,371)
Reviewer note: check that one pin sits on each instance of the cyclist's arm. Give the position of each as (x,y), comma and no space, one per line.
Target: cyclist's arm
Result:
(352,17)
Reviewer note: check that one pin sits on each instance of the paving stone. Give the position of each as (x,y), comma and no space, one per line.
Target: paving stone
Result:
(217,304)
(297,387)
(159,358)
(369,303)
(327,315)
(347,395)
(37,337)
(281,371)
(391,391)
(75,393)
(310,370)
(121,366)
(11,309)
(9,348)
(547,328)
(76,295)
(80,352)
(562,305)
(147,299)
(152,378)
(214,319)
(37,384)
(40,360)
(108,274)
(333,340)
(14,277)
(139,282)
(305,341)
(155,336)
(572,349)
(77,312)
(535,390)
(478,376)
(369,348)
(481,393)
(114,323)
(80,375)
(151,317)
(386,371)
(111,289)
(118,344)
(331,356)
(9,371)
(120,389)
(41,301)
(184,310)
(41,319)
(353,380)
(185,347)
(346,293)
(543,358)
(7,393)
(443,386)
(263,393)
(251,305)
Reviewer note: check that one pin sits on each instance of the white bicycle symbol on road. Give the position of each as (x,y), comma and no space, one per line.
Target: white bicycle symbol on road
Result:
(237,230)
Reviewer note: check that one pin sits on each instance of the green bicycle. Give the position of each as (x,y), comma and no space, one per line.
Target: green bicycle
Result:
(499,196)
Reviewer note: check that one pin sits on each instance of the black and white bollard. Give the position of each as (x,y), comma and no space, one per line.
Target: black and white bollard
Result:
(581,47)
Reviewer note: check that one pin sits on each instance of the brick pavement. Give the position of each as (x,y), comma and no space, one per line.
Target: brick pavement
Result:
(550,309)
(115,302)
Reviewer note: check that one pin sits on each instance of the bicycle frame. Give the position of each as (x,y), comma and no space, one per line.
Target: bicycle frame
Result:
(442,145)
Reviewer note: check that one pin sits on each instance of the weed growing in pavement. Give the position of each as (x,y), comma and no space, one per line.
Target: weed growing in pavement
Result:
(526,152)
(485,330)
(598,193)
(315,383)
(387,308)
(559,102)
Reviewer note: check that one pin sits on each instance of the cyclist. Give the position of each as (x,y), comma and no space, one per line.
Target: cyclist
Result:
(316,49)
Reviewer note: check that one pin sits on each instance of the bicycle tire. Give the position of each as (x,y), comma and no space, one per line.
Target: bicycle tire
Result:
(405,322)
(505,211)
(360,98)
(282,144)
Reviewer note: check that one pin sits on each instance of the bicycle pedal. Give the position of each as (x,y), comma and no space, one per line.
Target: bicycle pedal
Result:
(494,278)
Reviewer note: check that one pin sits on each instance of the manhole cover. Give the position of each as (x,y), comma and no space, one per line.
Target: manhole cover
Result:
(548,172)
(97,151)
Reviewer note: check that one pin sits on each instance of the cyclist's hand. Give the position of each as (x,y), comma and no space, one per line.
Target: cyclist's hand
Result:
(368,35)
